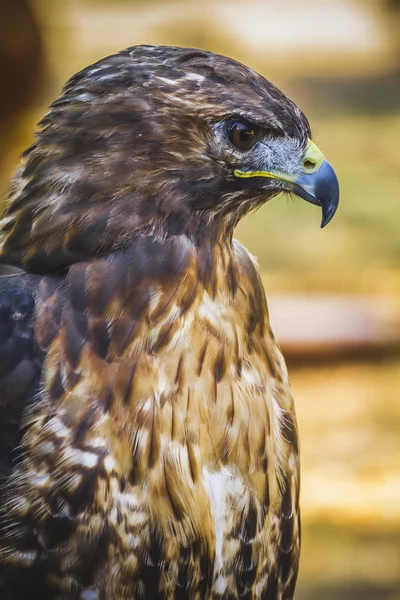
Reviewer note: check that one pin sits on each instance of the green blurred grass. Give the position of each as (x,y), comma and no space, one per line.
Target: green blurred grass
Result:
(349,419)
(349,563)
(343,561)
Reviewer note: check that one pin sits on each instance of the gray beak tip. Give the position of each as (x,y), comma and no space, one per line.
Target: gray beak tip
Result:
(320,188)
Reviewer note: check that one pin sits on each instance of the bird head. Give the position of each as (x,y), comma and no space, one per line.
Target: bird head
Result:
(157,141)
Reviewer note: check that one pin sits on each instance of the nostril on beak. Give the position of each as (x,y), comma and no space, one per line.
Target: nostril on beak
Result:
(309,164)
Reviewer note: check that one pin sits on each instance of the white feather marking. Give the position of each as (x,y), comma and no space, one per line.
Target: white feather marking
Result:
(195,77)
(221,486)
(78,457)
(109,463)
(168,81)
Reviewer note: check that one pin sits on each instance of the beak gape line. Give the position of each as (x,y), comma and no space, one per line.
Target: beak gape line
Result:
(317,183)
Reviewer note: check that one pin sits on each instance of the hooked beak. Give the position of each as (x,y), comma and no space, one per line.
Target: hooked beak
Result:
(317,183)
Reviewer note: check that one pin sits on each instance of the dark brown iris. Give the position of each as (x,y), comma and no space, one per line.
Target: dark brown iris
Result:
(242,135)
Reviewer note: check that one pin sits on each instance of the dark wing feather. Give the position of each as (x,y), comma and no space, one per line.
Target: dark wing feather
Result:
(20,362)
(21,357)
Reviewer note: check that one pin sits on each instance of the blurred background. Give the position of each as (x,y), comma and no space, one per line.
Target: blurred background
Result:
(335,293)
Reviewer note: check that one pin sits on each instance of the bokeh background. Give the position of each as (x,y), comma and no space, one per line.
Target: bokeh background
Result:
(334,293)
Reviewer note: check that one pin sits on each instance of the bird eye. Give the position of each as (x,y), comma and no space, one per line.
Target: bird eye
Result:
(242,135)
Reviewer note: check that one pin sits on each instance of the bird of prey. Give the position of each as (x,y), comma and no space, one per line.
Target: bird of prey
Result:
(148,438)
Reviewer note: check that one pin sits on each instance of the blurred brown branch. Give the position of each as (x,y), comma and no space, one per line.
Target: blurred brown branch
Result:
(21,59)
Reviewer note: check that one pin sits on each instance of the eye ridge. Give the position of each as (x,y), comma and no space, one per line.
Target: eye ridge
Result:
(243,135)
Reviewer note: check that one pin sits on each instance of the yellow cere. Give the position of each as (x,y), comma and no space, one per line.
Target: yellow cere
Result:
(312,158)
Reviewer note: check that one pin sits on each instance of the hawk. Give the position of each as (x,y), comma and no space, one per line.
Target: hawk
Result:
(148,438)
